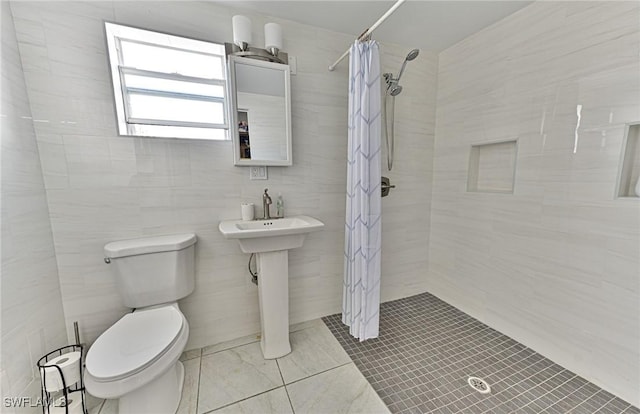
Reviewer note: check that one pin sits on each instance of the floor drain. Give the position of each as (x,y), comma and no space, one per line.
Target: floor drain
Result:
(479,385)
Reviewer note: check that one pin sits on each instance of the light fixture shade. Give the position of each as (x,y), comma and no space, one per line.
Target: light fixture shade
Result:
(272,36)
(241,30)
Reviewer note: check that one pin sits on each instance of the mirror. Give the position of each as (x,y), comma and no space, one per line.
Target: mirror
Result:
(261,112)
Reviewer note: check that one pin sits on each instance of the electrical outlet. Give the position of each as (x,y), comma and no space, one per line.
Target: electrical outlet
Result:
(258,173)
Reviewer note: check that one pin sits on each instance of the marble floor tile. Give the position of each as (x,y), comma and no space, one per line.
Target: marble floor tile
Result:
(109,407)
(235,374)
(189,401)
(306,325)
(314,350)
(272,402)
(96,408)
(337,391)
(249,339)
(193,353)
(94,404)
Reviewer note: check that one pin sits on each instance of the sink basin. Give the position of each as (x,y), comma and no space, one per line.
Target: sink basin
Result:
(270,235)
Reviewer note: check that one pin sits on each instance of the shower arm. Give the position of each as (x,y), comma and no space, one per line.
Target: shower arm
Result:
(404,65)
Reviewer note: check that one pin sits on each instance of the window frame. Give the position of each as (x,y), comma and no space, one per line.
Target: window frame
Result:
(115,33)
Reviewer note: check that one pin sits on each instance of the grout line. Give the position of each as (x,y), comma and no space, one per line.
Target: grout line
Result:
(322,372)
(199,383)
(569,395)
(466,368)
(280,372)
(243,399)
(189,359)
(101,406)
(548,392)
(605,404)
(587,399)
(257,339)
(489,396)
(624,409)
(627,407)
(493,384)
(285,387)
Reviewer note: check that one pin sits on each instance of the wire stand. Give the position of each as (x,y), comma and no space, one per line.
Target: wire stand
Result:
(52,401)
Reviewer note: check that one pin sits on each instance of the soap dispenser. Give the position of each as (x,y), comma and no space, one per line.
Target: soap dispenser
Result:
(279,206)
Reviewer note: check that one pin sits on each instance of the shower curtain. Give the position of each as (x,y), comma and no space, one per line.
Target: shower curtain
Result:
(361,290)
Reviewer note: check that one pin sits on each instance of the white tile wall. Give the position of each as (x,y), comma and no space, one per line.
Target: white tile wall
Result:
(32,318)
(556,265)
(102,187)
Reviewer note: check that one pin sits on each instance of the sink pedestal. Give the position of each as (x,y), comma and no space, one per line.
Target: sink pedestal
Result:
(271,240)
(273,294)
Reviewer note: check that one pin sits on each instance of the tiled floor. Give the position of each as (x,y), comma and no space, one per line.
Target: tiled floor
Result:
(316,377)
(427,349)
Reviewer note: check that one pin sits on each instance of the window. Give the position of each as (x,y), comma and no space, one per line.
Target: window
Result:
(167,86)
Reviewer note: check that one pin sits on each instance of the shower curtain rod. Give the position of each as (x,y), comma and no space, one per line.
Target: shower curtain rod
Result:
(368,32)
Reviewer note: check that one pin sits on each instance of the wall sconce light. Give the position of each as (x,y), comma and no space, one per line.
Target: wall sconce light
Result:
(273,38)
(241,31)
(242,41)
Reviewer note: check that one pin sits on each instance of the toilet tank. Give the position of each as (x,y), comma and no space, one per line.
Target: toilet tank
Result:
(153,270)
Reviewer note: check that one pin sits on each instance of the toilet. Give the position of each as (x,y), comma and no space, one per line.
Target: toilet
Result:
(136,359)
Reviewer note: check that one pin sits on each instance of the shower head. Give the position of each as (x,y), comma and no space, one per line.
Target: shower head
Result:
(413,54)
(410,56)
(394,90)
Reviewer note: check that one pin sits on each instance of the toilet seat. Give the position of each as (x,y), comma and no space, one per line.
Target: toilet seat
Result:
(134,342)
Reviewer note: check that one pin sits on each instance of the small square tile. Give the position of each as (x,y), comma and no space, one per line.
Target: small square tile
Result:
(426,345)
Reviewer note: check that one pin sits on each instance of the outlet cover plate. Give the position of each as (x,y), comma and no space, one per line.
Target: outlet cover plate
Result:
(258,173)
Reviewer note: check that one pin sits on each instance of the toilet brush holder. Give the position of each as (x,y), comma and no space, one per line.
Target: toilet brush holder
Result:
(62,382)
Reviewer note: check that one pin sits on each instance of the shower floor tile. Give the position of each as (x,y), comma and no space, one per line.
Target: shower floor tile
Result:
(427,349)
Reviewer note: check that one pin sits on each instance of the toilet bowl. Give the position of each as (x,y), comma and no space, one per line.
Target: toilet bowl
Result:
(136,361)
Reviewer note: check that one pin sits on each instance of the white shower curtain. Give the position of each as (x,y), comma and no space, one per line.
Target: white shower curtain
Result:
(361,291)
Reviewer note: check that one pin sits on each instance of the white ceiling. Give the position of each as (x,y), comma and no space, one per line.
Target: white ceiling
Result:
(429,25)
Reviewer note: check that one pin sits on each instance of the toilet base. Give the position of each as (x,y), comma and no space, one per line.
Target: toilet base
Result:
(160,396)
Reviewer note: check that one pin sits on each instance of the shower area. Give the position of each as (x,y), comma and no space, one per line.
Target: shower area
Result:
(530,301)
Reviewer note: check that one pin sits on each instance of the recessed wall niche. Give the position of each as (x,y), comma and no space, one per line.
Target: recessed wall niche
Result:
(492,167)
(629,174)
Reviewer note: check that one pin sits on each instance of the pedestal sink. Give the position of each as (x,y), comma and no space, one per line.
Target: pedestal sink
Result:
(271,241)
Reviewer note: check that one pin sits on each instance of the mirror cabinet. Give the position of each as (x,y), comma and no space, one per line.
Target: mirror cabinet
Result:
(260,102)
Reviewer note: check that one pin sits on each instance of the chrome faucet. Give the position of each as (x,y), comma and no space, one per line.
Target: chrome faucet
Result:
(266,202)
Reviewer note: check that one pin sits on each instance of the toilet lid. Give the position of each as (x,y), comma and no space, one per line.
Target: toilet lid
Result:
(132,343)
